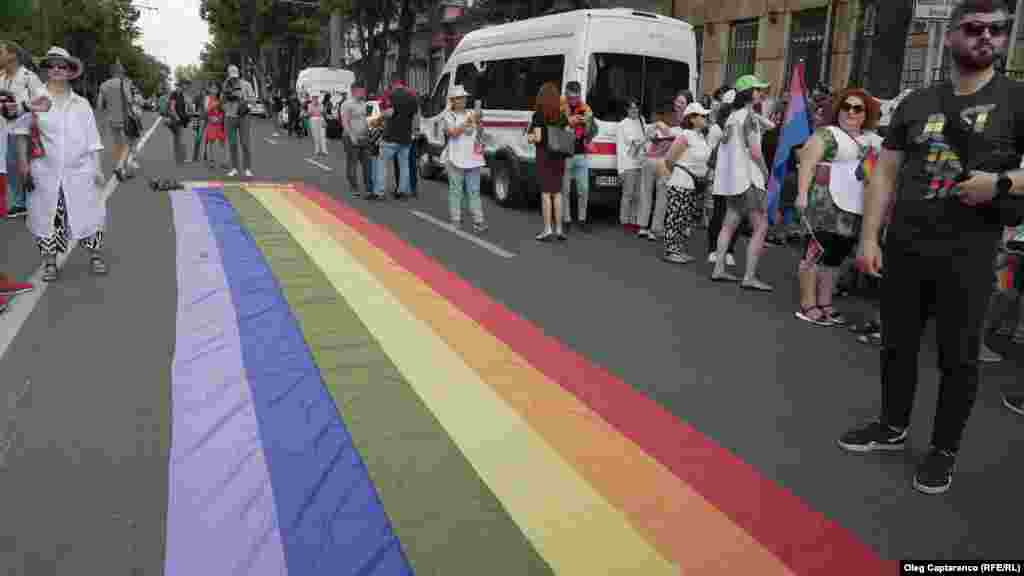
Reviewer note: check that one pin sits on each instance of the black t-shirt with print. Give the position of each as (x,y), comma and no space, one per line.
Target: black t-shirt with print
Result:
(399,127)
(988,126)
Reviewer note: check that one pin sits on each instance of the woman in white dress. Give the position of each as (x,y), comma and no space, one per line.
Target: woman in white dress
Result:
(741,175)
(67,203)
(630,137)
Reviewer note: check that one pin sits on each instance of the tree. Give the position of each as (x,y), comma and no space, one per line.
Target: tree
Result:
(189,72)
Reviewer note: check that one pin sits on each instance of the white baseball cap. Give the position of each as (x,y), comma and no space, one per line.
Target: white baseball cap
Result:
(695,108)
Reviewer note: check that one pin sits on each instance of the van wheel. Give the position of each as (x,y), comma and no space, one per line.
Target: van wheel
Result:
(501,178)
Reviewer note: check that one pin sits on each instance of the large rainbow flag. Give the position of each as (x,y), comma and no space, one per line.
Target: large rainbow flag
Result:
(795,130)
(343,404)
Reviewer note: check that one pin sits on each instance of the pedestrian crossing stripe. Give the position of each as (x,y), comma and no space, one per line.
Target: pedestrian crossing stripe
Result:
(473,424)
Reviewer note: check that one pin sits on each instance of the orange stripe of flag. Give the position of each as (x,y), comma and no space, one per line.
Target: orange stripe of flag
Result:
(678,521)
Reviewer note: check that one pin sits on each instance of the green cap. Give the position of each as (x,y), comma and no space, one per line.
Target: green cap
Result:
(750,81)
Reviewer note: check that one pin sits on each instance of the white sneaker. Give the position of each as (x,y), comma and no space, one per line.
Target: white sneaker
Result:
(232,173)
(248,173)
(729,260)
(712,258)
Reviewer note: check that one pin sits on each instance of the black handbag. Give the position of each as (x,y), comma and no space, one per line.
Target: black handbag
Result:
(559,142)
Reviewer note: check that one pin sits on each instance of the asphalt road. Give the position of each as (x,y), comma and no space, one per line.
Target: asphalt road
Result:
(83,482)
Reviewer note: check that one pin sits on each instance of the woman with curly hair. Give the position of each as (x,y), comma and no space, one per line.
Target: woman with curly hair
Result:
(831,196)
(550,167)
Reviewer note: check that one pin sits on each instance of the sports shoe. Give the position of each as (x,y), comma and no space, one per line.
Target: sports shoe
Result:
(17,212)
(676,258)
(248,173)
(3,304)
(11,288)
(1014,403)
(232,173)
(935,472)
(873,437)
(729,260)
(479,227)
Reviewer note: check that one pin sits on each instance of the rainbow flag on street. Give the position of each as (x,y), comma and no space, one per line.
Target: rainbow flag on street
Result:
(342,403)
(796,129)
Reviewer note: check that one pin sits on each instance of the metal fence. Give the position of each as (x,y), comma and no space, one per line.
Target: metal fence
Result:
(742,50)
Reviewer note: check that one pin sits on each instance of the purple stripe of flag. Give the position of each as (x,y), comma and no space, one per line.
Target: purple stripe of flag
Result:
(221,516)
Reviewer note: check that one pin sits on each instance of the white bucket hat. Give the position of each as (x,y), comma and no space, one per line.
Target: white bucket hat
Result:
(59,54)
(729,97)
(458,91)
(696,108)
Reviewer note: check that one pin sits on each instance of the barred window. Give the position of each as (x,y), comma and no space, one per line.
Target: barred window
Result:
(742,49)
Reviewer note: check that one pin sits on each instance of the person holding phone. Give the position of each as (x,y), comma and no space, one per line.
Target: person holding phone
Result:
(463,158)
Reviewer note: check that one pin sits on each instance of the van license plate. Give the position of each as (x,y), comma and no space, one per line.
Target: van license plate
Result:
(610,181)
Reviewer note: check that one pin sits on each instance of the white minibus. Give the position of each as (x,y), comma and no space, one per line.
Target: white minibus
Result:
(615,54)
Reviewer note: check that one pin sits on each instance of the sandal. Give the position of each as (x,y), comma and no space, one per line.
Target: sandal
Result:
(99,266)
(834,318)
(50,270)
(805,315)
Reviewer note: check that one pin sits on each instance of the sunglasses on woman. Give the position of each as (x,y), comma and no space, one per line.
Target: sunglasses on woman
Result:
(854,108)
(977,29)
(59,66)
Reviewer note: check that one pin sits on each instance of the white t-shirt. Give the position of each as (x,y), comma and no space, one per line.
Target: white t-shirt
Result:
(629,135)
(735,170)
(462,151)
(694,159)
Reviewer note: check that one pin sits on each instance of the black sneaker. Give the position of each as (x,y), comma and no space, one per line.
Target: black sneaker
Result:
(935,473)
(873,437)
(17,212)
(1015,403)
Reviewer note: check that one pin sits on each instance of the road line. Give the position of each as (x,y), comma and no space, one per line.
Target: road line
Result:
(492,248)
(21,307)
(315,163)
(271,141)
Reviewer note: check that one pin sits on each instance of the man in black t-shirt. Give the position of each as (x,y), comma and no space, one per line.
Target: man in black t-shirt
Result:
(399,107)
(949,171)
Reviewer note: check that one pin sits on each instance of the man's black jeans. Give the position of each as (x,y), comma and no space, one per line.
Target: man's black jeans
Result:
(955,288)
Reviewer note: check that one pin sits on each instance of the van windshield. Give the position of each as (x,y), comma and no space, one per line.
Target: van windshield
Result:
(615,79)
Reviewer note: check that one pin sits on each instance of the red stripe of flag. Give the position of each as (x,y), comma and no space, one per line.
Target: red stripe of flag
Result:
(804,539)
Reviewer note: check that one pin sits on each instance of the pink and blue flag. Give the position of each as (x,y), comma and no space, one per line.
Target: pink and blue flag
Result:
(796,129)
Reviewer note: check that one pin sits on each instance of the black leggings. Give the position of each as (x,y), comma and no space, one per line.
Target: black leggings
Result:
(837,248)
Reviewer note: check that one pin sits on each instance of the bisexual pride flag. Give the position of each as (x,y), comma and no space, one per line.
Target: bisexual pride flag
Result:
(796,129)
(345,405)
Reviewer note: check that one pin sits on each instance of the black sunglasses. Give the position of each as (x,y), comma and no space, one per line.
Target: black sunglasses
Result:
(977,29)
(855,108)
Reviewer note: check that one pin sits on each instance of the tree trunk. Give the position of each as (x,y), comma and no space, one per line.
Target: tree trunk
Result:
(888,47)
(406,20)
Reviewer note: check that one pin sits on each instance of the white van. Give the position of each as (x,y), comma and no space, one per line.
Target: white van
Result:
(334,81)
(615,55)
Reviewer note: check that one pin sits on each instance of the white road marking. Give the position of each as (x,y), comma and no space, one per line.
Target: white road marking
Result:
(271,141)
(315,163)
(492,248)
(22,306)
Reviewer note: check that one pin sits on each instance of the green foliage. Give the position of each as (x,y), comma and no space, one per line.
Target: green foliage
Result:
(99,32)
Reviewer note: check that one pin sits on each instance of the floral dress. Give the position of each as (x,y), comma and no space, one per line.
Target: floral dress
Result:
(822,212)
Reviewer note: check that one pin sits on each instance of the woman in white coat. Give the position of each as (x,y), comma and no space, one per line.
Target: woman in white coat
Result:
(67,203)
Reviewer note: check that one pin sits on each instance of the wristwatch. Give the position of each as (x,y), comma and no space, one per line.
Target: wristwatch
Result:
(1003,184)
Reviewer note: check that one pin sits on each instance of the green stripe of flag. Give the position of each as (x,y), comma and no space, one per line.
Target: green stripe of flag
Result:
(447,519)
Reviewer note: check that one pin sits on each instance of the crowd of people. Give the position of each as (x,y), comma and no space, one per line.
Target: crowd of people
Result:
(944,220)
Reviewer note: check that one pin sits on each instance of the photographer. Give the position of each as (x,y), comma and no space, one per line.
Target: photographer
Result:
(237,95)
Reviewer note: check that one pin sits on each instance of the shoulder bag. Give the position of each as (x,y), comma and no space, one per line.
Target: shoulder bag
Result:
(559,141)
(132,126)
